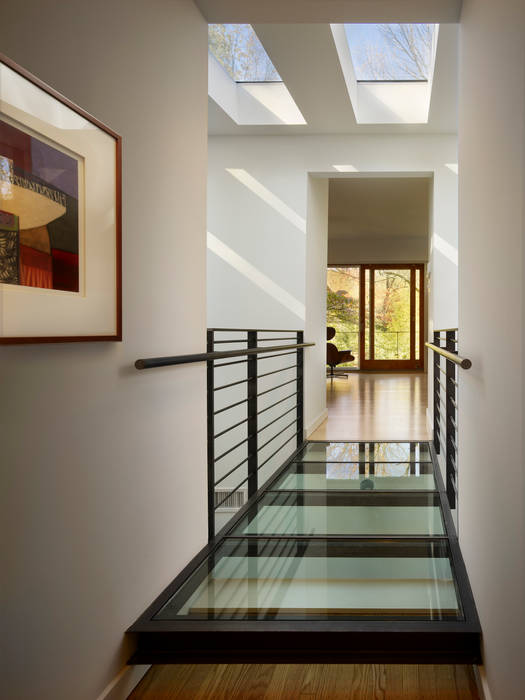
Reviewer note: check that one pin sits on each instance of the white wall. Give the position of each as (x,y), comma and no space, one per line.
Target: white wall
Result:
(491,323)
(262,215)
(103,466)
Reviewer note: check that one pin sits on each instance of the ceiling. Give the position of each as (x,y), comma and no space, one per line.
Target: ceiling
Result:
(326,11)
(378,207)
(305,56)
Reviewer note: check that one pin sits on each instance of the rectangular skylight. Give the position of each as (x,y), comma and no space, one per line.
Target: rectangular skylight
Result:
(239,51)
(391,52)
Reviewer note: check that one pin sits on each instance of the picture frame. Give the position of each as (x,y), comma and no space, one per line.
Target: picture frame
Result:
(60,217)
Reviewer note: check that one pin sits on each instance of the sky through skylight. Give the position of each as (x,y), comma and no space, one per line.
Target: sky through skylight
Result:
(239,51)
(388,52)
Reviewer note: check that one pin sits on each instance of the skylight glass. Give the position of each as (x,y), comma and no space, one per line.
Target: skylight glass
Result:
(240,52)
(390,52)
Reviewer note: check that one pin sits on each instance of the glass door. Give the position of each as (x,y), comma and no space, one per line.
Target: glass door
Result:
(391,316)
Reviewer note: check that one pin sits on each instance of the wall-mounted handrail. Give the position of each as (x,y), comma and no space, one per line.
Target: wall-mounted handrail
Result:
(153,362)
(463,362)
(444,330)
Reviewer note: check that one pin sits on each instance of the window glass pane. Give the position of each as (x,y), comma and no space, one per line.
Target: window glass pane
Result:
(367,314)
(320,579)
(389,52)
(342,313)
(239,51)
(392,314)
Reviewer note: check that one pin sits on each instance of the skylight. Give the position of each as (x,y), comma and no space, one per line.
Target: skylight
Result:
(391,52)
(241,54)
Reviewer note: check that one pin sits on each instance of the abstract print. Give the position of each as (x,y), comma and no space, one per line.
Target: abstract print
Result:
(39,232)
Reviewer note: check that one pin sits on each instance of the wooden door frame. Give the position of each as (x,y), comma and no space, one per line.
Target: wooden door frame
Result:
(392,364)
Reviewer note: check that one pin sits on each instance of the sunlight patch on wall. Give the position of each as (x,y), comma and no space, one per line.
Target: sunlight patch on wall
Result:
(445,248)
(268,197)
(346,168)
(255,276)
(452,166)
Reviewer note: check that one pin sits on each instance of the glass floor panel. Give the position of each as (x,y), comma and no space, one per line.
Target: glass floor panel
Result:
(365,452)
(357,513)
(320,579)
(386,476)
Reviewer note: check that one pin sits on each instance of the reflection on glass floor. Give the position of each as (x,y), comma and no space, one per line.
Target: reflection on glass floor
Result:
(288,579)
(346,530)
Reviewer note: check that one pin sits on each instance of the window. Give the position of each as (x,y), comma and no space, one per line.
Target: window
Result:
(239,51)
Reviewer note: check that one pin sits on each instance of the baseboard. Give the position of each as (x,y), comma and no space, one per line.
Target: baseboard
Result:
(481,682)
(122,685)
(430,424)
(316,423)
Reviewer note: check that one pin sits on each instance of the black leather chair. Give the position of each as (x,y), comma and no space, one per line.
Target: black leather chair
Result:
(334,356)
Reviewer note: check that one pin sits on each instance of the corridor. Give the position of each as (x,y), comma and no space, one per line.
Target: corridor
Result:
(375,406)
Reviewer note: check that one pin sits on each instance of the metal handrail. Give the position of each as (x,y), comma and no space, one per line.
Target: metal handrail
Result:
(153,362)
(463,362)
(444,330)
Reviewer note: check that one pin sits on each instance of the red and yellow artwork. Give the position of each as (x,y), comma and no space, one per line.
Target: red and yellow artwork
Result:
(39,231)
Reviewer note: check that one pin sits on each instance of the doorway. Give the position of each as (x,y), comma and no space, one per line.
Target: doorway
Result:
(378,309)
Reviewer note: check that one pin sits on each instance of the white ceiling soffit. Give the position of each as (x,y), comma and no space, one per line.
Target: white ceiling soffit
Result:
(308,62)
(384,207)
(329,11)
(251,103)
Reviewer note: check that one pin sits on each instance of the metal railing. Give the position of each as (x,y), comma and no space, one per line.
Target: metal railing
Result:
(445,404)
(255,402)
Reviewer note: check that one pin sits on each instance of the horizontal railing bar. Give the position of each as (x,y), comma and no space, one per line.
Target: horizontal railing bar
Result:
(278,386)
(277,402)
(232,405)
(278,449)
(267,374)
(231,492)
(227,386)
(461,361)
(255,330)
(276,419)
(443,371)
(227,430)
(154,362)
(235,362)
(286,337)
(279,354)
(444,330)
(231,449)
(239,340)
(230,472)
(276,435)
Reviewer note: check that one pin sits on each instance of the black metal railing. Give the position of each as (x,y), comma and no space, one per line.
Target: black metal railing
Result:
(255,403)
(445,385)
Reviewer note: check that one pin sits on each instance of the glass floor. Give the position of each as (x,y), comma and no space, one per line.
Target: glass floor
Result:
(348,531)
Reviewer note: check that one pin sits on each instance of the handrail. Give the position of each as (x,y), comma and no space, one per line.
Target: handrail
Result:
(444,330)
(153,362)
(463,362)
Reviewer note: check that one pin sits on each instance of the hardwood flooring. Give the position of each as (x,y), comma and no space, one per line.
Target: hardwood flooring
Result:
(375,406)
(315,682)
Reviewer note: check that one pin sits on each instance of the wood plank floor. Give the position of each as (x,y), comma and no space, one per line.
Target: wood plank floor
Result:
(315,682)
(375,406)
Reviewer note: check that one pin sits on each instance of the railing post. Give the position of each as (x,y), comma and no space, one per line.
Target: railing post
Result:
(437,430)
(211,432)
(300,390)
(253,461)
(451,458)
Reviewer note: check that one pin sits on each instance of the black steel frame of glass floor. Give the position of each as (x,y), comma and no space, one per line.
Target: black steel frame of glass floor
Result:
(377,638)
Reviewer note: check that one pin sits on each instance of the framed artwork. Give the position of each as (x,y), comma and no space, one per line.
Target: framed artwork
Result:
(60,217)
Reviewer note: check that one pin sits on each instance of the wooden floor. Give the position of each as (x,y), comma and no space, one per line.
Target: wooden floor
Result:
(375,406)
(315,682)
(365,406)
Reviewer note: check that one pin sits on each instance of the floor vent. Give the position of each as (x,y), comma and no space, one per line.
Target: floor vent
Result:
(229,500)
